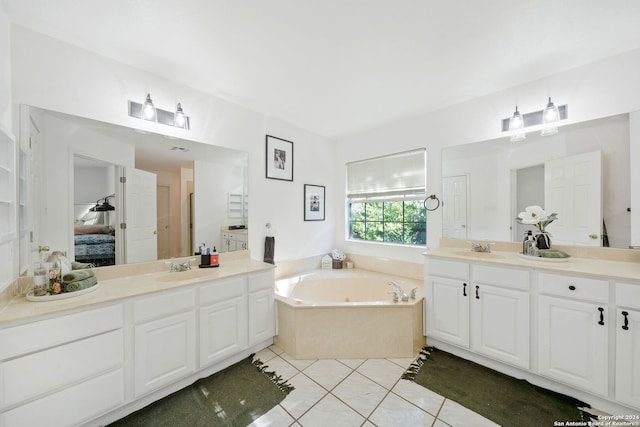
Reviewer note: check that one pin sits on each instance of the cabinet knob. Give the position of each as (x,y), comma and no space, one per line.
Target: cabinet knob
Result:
(464,289)
(572,288)
(477,292)
(593,236)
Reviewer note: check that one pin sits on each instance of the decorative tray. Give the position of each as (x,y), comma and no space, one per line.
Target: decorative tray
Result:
(64,295)
(542,259)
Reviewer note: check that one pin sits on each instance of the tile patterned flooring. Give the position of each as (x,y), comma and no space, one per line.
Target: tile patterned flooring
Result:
(357,392)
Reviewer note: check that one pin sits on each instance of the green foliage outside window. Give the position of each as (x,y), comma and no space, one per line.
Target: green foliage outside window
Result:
(402,222)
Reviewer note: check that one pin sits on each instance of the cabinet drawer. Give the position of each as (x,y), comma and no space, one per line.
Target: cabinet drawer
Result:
(161,305)
(444,268)
(262,281)
(41,373)
(72,406)
(501,276)
(628,295)
(221,290)
(575,287)
(48,333)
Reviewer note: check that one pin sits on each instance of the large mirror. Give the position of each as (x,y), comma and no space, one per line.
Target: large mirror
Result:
(108,195)
(581,173)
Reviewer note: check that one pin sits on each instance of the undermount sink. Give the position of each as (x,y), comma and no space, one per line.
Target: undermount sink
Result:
(479,255)
(179,276)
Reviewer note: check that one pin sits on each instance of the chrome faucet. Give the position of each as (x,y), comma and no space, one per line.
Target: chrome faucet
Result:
(184,266)
(479,247)
(403,294)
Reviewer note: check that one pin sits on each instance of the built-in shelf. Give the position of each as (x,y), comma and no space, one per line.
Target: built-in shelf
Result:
(7,187)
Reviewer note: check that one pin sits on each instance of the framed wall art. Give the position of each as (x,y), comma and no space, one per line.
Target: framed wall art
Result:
(314,202)
(279,159)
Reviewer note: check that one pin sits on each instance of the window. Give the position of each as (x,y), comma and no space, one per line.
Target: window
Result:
(385,199)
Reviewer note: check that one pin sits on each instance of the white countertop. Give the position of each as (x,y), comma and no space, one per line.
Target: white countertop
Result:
(622,270)
(119,288)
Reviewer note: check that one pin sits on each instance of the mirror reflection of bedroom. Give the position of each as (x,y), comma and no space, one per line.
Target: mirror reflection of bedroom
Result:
(102,203)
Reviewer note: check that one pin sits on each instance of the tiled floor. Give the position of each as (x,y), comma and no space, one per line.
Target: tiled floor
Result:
(363,392)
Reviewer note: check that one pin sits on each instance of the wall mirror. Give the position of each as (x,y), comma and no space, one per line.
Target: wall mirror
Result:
(109,194)
(486,184)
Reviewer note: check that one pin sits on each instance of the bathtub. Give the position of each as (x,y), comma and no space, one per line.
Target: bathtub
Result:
(348,314)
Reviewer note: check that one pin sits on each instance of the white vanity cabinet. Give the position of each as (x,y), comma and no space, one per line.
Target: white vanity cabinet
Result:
(165,339)
(573,330)
(74,361)
(262,307)
(627,381)
(500,314)
(447,308)
(223,319)
(236,240)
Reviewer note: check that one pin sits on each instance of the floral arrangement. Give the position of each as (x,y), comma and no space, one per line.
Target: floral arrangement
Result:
(535,215)
(338,255)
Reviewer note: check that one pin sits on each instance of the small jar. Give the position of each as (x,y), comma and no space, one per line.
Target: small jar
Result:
(40,281)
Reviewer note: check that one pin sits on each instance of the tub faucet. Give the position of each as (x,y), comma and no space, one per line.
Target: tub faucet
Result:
(403,294)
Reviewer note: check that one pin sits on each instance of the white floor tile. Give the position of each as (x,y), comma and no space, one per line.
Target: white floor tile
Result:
(440,423)
(360,393)
(305,394)
(276,417)
(352,363)
(404,363)
(265,355)
(281,367)
(395,411)
(300,364)
(382,371)
(331,412)
(457,415)
(368,424)
(275,349)
(327,373)
(419,396)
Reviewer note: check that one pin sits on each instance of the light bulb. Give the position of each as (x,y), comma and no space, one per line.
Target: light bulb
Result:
(550,115)
(179,118)
(516,126)
(148,109)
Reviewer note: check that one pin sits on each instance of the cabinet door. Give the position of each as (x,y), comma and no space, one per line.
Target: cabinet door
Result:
(500,324)
(448,310)
(223,330)
(628,357)
(572,346)
(165,350)
(261,316)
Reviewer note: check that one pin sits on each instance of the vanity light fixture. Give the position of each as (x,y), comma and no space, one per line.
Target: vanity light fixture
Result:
(545,121)
(148,111)
(516,126)
(550,116)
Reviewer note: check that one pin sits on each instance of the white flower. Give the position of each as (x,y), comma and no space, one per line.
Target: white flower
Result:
(532,215)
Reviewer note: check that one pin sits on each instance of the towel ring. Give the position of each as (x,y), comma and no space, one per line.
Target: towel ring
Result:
(433,196)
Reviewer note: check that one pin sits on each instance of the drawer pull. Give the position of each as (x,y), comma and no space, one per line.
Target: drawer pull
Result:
(626,320)
(572,288)
(464,289)
(477,290)
(601,310)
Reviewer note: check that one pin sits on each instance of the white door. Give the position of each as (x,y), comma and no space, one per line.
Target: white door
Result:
(500,323)
(141,236)
(573,343)
(454,207)
(573,189)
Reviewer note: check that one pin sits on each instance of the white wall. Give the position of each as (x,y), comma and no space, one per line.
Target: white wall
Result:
(602,89)
(50,74)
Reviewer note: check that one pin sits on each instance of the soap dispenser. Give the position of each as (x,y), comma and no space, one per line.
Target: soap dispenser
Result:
(527,234)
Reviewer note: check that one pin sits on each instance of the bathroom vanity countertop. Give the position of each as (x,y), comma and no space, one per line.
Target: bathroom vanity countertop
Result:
(134,285)
(602,268)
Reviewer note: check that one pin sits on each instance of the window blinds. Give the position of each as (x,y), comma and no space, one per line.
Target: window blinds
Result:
(395,174)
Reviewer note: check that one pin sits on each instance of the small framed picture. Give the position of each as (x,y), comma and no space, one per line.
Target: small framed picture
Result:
(279,159)
(314,205)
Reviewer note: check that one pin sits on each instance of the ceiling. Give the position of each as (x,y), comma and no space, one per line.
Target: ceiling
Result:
(337,67)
